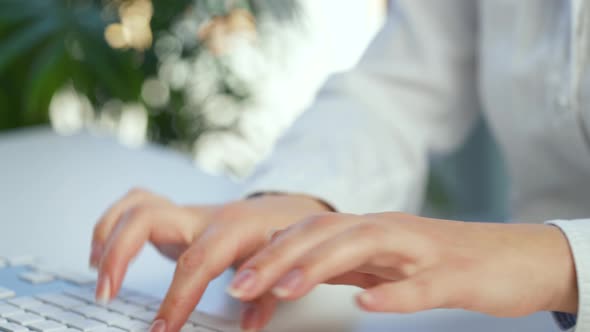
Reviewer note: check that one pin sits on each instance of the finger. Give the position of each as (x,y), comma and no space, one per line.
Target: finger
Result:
(107,222)
(358,279)
(274,234)
(436,288)
(136,227)
(258,313)
(388,273)
(345,252)
(203,261)
(259,273)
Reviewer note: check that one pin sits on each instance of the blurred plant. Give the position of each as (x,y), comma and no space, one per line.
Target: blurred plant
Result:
(163,70)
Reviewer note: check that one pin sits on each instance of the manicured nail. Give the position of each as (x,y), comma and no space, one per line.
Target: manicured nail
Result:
(96,255)
(243,283)
(250,319)
(366,299)
(158,326)
(288,284)
(103,290)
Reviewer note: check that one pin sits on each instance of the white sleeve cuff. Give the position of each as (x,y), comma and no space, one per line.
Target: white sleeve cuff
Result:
(578,234)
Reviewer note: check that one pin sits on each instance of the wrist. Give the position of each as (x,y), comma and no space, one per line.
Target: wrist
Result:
(310,202)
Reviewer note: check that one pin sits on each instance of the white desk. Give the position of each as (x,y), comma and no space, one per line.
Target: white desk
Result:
(52,189)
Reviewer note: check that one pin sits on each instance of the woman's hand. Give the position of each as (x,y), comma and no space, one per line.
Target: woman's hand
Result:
(205,240)
(409,264)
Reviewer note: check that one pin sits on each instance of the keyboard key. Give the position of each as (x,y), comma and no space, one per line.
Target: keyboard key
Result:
(86,324)
(87,310)
(24,318)
(25,302)
(7,310)
(201,319)
(123,308)
(76,321)
(132,325)
(188,328)
(107,317)
(6,293)
(83,294)
(77,278)
(140,299)
(205,329)
(11,327)
(65,316)
(45,310)
(192,328)
(61,300)
(127,292)
(155,306)
(107,329)
(144,316)
(21,260)
(47,326)
(36,277)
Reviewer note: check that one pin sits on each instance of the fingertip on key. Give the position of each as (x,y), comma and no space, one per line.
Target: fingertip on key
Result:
(103,290)
(158,326)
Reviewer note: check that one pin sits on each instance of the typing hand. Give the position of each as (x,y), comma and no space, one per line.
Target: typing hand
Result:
(408,264)
(205,241)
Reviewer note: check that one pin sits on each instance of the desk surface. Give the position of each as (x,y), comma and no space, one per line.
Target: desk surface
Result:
(52,189)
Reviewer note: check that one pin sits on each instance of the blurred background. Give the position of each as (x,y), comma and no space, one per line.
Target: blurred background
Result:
(218,80)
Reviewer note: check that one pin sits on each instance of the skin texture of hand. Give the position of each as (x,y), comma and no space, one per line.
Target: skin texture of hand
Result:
(205,241)
(407,264)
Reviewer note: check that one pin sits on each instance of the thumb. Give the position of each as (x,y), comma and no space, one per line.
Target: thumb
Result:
(358,279)
(427,290)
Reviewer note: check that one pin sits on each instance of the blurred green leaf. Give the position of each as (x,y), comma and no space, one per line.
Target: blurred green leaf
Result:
(23,41)
(46,44)
(49,71)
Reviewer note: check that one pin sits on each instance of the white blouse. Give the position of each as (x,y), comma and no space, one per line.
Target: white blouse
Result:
(364,145)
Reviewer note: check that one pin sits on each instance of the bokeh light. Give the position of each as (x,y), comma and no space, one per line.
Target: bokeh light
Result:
(69,111)
(155,93)
(133,124)
(134,31)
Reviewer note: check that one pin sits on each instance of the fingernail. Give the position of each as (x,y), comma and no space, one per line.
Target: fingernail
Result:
(158,326)
(103,290)
(95,255)
(288,284)
(250,319)
(366,299)
(243,282)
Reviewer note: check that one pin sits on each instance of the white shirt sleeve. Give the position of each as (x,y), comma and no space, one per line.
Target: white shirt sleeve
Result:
(578,234)
(364,145)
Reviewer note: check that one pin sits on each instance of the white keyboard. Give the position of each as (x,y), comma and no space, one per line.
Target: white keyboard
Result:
(36,299)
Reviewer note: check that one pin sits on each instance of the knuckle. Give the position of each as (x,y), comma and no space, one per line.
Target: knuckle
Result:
(229,212)
(110,260)
(267,258)
(395,216)
(322,220)
(138,192)
(139,213)
(191,259)
(423,294)
(176,301)
(99,232)
(370,229)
